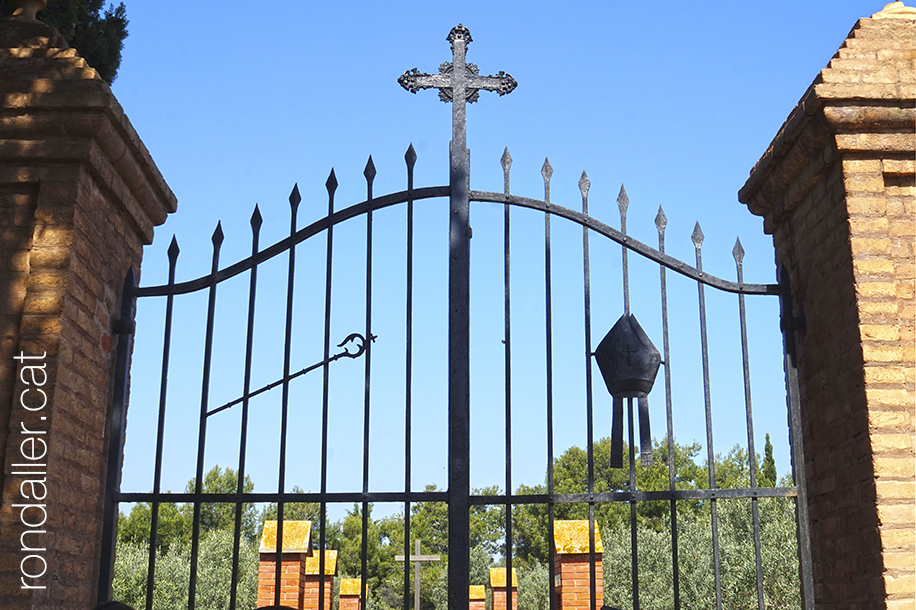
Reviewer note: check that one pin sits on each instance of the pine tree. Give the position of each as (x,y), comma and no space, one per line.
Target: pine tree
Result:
(96,34)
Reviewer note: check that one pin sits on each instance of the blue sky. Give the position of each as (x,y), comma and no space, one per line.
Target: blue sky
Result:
(236,102)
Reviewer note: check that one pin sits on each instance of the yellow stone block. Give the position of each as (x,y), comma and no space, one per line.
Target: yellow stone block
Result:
(869,183)
(892,397)
(498,578)
(873,266)
(898,561)
(899,584)
(866,205)
(351,586)
(885,374)
(897,514)
(894,490)
(883,332)
(865,166)
(879,419)
(297,537)
(903,441)
(571,537)
(477,592)
(869,226)
(862,246)
(312,564)
(878,307)
(876,289)
(882,354)
(900,166)
(894,468)
(898,538)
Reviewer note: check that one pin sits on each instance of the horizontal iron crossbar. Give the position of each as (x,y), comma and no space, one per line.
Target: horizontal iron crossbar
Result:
(442,496)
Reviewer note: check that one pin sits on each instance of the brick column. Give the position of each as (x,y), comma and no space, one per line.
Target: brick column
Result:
(79,197)
(350,591)
(297,547)
(477,597)
(836,191)
(498,588)
(313,579)
(571,567)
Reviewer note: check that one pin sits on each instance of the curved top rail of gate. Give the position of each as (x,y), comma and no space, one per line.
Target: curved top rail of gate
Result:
(411,194)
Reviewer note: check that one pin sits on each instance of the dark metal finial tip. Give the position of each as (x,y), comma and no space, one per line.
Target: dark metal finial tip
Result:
(697,236)
(173,249)
(547,170)
(294,196)
(369,172)
(217,238)
(256,219)
(584,184)
(661,221)
(459,32)
(410,156)
(331,183)
(506,159)
(738,251)
(623,201)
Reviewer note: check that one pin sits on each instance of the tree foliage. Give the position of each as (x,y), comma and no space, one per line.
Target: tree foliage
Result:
(95,30)
(385,538)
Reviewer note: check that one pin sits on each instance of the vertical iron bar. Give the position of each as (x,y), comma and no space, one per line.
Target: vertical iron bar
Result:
(583,187)
(789,324)
(246,386)
(411,158)
(370,176)
(547,172)
(331,185)
(698,242)
(738,253)
(117,420)
(459,481)
(294,199)
(204,401)
(160,431)
(507,162)
(660,222)
(623,203)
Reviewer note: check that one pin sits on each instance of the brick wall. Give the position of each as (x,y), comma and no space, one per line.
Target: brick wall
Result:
(836,191)
(79,197)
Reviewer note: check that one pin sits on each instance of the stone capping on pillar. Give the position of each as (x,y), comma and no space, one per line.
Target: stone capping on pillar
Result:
(837,190)
(477,597)
(572,568)
(498,588)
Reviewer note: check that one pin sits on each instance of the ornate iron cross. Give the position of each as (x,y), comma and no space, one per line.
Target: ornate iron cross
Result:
(459,83)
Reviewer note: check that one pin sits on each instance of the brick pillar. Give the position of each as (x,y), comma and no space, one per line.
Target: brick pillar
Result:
(836,191)
(297,547)
(79,197)
(498,588)
(571,567)
(313,579)
(350,591)
(477,597)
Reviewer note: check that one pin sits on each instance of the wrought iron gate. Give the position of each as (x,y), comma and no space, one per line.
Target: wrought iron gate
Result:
(458,82)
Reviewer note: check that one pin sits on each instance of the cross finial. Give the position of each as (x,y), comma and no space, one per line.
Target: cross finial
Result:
(458,81)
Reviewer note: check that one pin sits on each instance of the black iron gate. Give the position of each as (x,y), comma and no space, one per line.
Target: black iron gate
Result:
(458,82)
